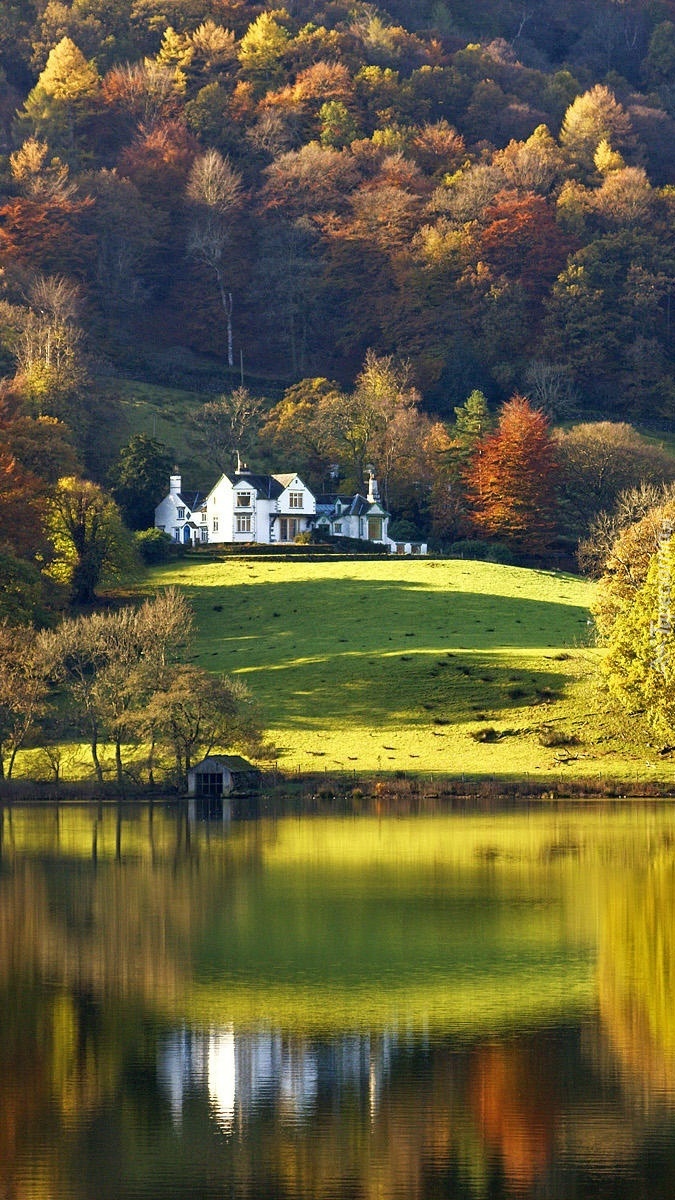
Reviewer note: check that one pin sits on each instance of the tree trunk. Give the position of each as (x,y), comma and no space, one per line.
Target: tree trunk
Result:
(119,766)
(94,754)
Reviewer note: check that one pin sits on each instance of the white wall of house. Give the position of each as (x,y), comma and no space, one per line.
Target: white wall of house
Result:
(294,513)
(173,516)
(239,511)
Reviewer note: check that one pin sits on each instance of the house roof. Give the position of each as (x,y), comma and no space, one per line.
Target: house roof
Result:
(233,762)
(191,500)
(352,506)
(267,487)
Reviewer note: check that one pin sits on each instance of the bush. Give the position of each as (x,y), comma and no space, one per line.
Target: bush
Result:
(155,546)
(555,737)
(494,552)
(486,734)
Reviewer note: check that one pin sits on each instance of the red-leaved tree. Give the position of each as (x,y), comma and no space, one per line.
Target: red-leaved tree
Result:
(511,479)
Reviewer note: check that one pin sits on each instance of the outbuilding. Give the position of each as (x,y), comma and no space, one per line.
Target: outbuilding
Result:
(222,774)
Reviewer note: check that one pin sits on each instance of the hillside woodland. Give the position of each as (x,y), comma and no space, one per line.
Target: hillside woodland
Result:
(435,236)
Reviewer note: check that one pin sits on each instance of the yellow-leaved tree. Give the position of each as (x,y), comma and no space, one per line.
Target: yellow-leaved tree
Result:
(639,664)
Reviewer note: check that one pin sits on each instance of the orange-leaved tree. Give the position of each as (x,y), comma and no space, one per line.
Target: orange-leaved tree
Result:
(511,479)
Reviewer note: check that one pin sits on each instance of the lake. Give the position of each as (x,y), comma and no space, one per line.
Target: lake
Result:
(426,1007)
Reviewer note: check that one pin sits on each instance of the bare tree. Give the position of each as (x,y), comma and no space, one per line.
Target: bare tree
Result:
(23,687)
(214,188)
(224,427)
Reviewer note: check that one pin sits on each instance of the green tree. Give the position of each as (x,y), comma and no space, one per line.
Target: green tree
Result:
(138,479)
(262,48)
(88,537)
(198,712)
(338,127)
(639,662)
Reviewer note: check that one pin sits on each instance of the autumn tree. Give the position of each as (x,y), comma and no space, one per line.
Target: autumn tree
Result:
(198,712)
(627,563)
(511,479)
(600,459)
(595,116)
(88,537)
(293,430)
(63,99)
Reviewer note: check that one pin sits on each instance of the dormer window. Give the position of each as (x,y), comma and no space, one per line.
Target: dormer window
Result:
(295,499)
(181,514)
(243,499)
(338,507)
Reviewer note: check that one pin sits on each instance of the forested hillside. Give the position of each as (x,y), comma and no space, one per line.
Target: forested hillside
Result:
(483,188)
(439,200)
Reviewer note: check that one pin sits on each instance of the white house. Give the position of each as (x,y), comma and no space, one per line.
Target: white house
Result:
(182,514)
(259,508)
(360,517)
(272,509)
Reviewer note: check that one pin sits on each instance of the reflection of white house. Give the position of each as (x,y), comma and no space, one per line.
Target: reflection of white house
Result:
(240,1072)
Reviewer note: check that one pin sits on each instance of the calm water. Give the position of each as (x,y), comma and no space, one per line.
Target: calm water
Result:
(317,1008)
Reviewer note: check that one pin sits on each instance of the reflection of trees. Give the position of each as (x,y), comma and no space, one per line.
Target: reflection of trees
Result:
(115,928)
(636,973)
(513,1092)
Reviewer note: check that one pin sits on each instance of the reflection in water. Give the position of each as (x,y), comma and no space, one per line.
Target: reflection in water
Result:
(452,1007)
(245,1072)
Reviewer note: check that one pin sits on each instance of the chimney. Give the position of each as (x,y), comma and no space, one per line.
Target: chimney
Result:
(373,490)
(175,484)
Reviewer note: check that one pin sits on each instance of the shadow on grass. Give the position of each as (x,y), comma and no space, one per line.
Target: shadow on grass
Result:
(361,653)
(324,615)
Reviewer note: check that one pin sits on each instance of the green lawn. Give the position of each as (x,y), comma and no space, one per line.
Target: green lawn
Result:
(392,665)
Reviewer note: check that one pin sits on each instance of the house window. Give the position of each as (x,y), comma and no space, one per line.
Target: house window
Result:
(244,524)
(243,499)
(181,514)
(176,534)
(295,499)
(215,524)
(338,526)
(288,528)
(205,535)
(374,529)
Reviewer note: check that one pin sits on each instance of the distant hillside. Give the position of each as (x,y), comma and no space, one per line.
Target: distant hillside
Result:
(482,189)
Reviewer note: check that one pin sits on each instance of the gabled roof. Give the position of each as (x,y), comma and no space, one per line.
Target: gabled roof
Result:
(352,506)
(266,487)
(285,480)
(234,762)
(191,500)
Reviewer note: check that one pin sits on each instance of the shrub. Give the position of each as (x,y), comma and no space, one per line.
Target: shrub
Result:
(495,552)
(486,734)
(155,546)
(555,737)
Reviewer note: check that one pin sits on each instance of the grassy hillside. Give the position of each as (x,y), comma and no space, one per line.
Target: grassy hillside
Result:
(394,665)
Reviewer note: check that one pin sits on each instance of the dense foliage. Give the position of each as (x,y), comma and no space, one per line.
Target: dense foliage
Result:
(365,215)
(484,189)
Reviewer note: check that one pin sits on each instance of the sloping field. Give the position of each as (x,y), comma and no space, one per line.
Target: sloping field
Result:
(396,665)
